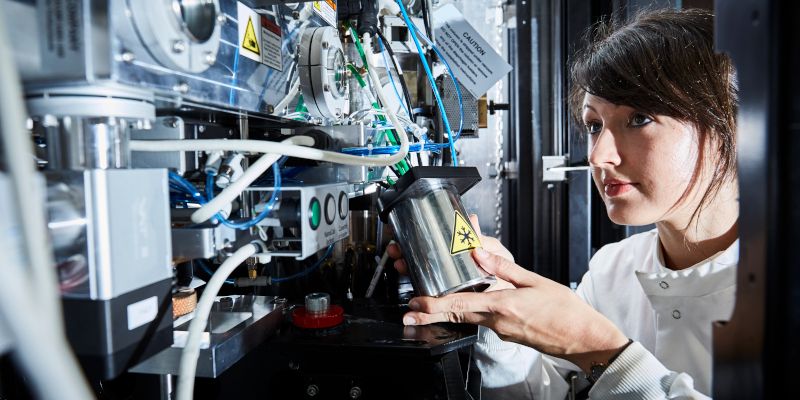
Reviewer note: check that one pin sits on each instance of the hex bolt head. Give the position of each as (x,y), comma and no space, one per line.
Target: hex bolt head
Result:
(312,390)
(355,392)
(178,46)
(211,58)
(127,56)
(295,14)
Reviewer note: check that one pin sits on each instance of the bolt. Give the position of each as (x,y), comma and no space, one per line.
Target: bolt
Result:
(181,87)
(221,19)
(355,392)
(201,128)
(326,88)
(295,14)
(325,45)
(127,56)
(178,46)
(312,390)
(270,109)
(211,58)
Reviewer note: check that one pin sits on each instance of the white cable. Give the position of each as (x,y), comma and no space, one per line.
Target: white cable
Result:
(191,351)
(293,91)
(261,146)
(236,188)
(38,332)
(376,83)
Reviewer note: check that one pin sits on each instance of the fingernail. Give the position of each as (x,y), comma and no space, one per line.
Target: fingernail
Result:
(481,253)
(414,305)
(409,321)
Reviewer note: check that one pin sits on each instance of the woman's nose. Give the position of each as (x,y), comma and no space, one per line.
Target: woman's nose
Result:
(603,150)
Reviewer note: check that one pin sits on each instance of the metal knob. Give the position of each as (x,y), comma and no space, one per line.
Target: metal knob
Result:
(317,303)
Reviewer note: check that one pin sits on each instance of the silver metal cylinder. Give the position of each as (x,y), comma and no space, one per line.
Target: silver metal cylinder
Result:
(79,143)
(426,224)
(317,303)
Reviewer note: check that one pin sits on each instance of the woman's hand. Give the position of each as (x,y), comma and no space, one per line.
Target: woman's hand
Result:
(536,312)
(490,244)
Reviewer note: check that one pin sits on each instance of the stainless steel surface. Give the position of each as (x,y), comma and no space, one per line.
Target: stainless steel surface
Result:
(321,68)
(81,143)
(333,215)
(189,243)
(172,128)
(158,46)
(225,346)
(112,229)
(423,225)
(317,303)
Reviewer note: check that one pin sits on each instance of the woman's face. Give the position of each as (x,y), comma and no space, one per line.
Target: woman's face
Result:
(642,164)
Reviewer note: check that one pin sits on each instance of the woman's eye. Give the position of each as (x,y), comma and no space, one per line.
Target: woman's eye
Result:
(640,120)
(594,127)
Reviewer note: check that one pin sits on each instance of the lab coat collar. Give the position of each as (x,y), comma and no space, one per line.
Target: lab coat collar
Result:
(712,275)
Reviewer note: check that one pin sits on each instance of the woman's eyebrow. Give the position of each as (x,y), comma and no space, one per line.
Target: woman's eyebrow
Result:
(585,106)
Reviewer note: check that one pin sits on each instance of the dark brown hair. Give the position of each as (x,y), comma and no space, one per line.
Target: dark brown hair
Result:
(662,62)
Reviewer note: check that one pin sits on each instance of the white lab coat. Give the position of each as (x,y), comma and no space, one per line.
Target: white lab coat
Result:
(668,313)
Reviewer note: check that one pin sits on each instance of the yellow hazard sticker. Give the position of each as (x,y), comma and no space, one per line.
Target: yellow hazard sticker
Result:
(250,41)
(464,237)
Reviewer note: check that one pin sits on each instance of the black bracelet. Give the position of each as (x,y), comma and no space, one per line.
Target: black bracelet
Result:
(614,357)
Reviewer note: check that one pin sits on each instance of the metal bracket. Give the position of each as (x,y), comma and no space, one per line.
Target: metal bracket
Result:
(506,170)
(555,169)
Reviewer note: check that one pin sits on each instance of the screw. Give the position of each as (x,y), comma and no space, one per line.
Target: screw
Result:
(326,88)
(211,58)
(270,109)
(181,87)
(221,19)
(295,15)
(201,128)
(312,390)
(127,56)
(178,46)
(325,45)
(355,392)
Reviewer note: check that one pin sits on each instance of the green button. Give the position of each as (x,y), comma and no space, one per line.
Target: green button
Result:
(314,213)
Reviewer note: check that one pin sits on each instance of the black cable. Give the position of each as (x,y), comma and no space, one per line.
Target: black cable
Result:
(424,6)
(406,92)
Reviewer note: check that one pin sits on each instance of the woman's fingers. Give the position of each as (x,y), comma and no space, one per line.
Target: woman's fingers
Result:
(473,218)
(420,318)
(505,269)
(394,250)
(455,303)
(401,267)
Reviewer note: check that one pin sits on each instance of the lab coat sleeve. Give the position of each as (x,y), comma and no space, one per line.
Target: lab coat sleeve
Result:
(637,374)
(513,371)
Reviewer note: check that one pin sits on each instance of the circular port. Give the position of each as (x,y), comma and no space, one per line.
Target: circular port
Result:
(330,209)
(343,205)
(314,213)
(199,18)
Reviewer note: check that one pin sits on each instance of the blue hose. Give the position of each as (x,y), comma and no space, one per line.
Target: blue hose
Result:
(424,62)
(276,191)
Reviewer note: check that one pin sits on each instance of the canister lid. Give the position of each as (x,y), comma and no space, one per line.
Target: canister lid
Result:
(463,178)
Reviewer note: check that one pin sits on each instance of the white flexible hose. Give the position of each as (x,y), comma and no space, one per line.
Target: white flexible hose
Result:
(293,91)
(260,146)
(41,347)
(284,149)
(236,188)
(191,351)
(376,83)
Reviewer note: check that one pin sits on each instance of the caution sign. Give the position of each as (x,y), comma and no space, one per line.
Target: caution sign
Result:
(249,33)
(464,237)
(250,41)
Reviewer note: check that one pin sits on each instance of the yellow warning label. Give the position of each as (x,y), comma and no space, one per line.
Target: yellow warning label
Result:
(464,237)
(250,41)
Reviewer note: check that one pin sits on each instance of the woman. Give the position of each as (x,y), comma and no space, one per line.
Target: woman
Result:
(659,108)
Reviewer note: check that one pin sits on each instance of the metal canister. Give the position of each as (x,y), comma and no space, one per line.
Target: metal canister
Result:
(432,228)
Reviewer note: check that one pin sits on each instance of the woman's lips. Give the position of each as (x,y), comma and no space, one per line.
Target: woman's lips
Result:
(617,189)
